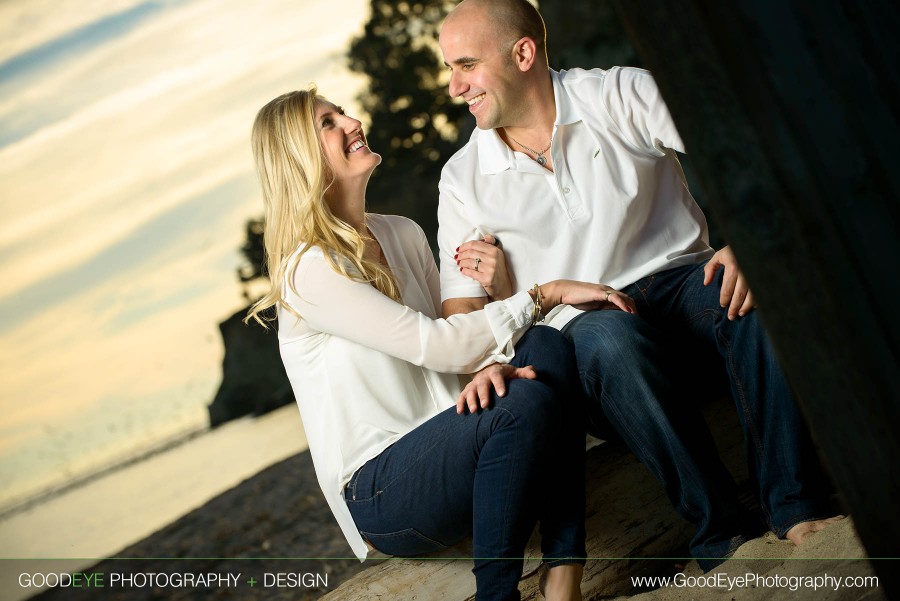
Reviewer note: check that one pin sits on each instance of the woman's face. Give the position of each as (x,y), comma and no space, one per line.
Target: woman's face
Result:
(344,143)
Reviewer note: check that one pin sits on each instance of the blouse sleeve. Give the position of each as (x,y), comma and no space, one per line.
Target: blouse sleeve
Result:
(334,304)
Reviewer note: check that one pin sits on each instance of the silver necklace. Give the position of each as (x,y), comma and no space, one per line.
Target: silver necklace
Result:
(540,155)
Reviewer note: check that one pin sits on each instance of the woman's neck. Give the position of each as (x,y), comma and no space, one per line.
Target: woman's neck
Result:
(349,207)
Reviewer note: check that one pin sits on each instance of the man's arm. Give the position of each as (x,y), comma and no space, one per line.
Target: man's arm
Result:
(452,306)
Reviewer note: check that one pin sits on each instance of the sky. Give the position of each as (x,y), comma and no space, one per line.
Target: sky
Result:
(125,182)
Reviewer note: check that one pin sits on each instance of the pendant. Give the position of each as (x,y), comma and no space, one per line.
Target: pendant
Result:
(541,161)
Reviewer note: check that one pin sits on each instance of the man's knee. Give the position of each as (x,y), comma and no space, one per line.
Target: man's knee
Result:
(601,337)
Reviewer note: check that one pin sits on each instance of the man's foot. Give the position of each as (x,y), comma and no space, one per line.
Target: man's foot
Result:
(562,583)
(800,533)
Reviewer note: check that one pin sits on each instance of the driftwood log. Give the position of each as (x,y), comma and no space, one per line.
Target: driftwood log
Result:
(629,520)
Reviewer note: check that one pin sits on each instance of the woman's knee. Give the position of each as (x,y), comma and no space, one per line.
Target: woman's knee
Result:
(551,354)
(531,405)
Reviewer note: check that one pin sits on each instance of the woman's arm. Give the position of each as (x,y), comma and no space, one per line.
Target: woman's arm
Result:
(334,304)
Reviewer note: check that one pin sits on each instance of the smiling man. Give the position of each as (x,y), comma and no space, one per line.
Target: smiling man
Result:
(576,173)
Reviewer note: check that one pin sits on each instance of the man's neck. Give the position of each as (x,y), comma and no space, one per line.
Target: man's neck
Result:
(533,129)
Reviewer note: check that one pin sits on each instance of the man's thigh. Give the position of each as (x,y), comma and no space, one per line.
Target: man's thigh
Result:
(612,340)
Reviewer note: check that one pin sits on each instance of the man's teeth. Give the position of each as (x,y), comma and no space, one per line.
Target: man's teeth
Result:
(475,100)
(356,146)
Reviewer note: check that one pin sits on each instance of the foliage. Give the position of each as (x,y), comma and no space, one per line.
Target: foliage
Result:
(415,124)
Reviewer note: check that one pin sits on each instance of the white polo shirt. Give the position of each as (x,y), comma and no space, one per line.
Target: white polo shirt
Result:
(615,209)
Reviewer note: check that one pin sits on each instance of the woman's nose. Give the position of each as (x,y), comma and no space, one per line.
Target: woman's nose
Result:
(351,125)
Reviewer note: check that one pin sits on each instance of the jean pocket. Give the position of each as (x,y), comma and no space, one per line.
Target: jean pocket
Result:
(361,486)
(403,543)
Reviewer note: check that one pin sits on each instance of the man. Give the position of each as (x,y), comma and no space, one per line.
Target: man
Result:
(576,173)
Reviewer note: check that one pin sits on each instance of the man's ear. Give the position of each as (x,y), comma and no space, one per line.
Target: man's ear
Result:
(524,53)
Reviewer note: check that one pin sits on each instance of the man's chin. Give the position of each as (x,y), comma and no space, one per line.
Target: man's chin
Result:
(484,124)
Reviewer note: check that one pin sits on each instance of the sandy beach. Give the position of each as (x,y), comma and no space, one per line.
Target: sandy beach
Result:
(104,516)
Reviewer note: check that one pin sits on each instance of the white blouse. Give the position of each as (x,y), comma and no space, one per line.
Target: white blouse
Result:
(365,369)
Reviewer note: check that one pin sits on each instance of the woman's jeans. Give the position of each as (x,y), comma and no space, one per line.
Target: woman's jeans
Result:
(492,474)
(629,367)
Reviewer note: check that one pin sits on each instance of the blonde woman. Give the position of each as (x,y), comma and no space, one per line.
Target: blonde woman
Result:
(407,462)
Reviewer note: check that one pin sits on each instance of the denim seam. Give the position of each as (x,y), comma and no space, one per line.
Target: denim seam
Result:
(516,459)
(751,429)
(382,489)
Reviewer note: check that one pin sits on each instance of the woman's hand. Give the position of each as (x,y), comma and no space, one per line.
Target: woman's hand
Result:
(484,261)
(585,296)
(477,393)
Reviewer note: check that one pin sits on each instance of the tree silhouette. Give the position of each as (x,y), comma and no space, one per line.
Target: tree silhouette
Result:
(415,124)
(254,251)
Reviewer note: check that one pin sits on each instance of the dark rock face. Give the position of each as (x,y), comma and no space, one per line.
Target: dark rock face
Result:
(253,376)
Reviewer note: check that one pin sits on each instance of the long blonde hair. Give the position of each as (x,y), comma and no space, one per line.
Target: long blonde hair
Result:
(294,175)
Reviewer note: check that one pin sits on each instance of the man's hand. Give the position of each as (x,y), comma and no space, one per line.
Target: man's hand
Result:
(477,393)
(735,293)
(484,261)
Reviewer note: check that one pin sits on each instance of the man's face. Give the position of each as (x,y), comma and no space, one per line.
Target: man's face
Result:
(482,71)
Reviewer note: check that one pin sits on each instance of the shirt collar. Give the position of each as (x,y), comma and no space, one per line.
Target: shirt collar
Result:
(566,112)
(495,156)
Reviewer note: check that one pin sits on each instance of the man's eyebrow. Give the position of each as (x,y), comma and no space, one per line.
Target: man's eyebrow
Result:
(463,60)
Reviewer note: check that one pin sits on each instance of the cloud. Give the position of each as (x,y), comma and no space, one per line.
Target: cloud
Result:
(125,180)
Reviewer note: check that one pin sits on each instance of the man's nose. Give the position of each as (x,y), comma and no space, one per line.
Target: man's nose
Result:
(457,84)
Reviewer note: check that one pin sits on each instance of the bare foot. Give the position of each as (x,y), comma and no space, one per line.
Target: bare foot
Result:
(562,583)
(800,533)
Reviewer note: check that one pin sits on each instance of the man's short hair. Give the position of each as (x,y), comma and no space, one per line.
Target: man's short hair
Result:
(517,19)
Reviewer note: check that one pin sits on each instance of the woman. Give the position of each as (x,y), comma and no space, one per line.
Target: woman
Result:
(357,299)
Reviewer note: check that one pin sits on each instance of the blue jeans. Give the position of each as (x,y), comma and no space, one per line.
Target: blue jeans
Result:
(629,368)
(492,474)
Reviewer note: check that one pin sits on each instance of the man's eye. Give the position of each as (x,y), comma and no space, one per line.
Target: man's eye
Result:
(468,66)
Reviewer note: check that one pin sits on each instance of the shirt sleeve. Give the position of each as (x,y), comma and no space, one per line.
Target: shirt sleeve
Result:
(454,228)
(432,276)
(334,304)
(635,104)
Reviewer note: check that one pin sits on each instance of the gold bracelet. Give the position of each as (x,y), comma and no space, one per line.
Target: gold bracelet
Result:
(536,314)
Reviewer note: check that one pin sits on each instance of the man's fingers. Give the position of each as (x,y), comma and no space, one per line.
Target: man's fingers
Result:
(490,239)
(749,304)
(729,281)
(709,270)
(737,299)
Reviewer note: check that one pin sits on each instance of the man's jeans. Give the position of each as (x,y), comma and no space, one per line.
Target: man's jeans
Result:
(489,474)
(629,368)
